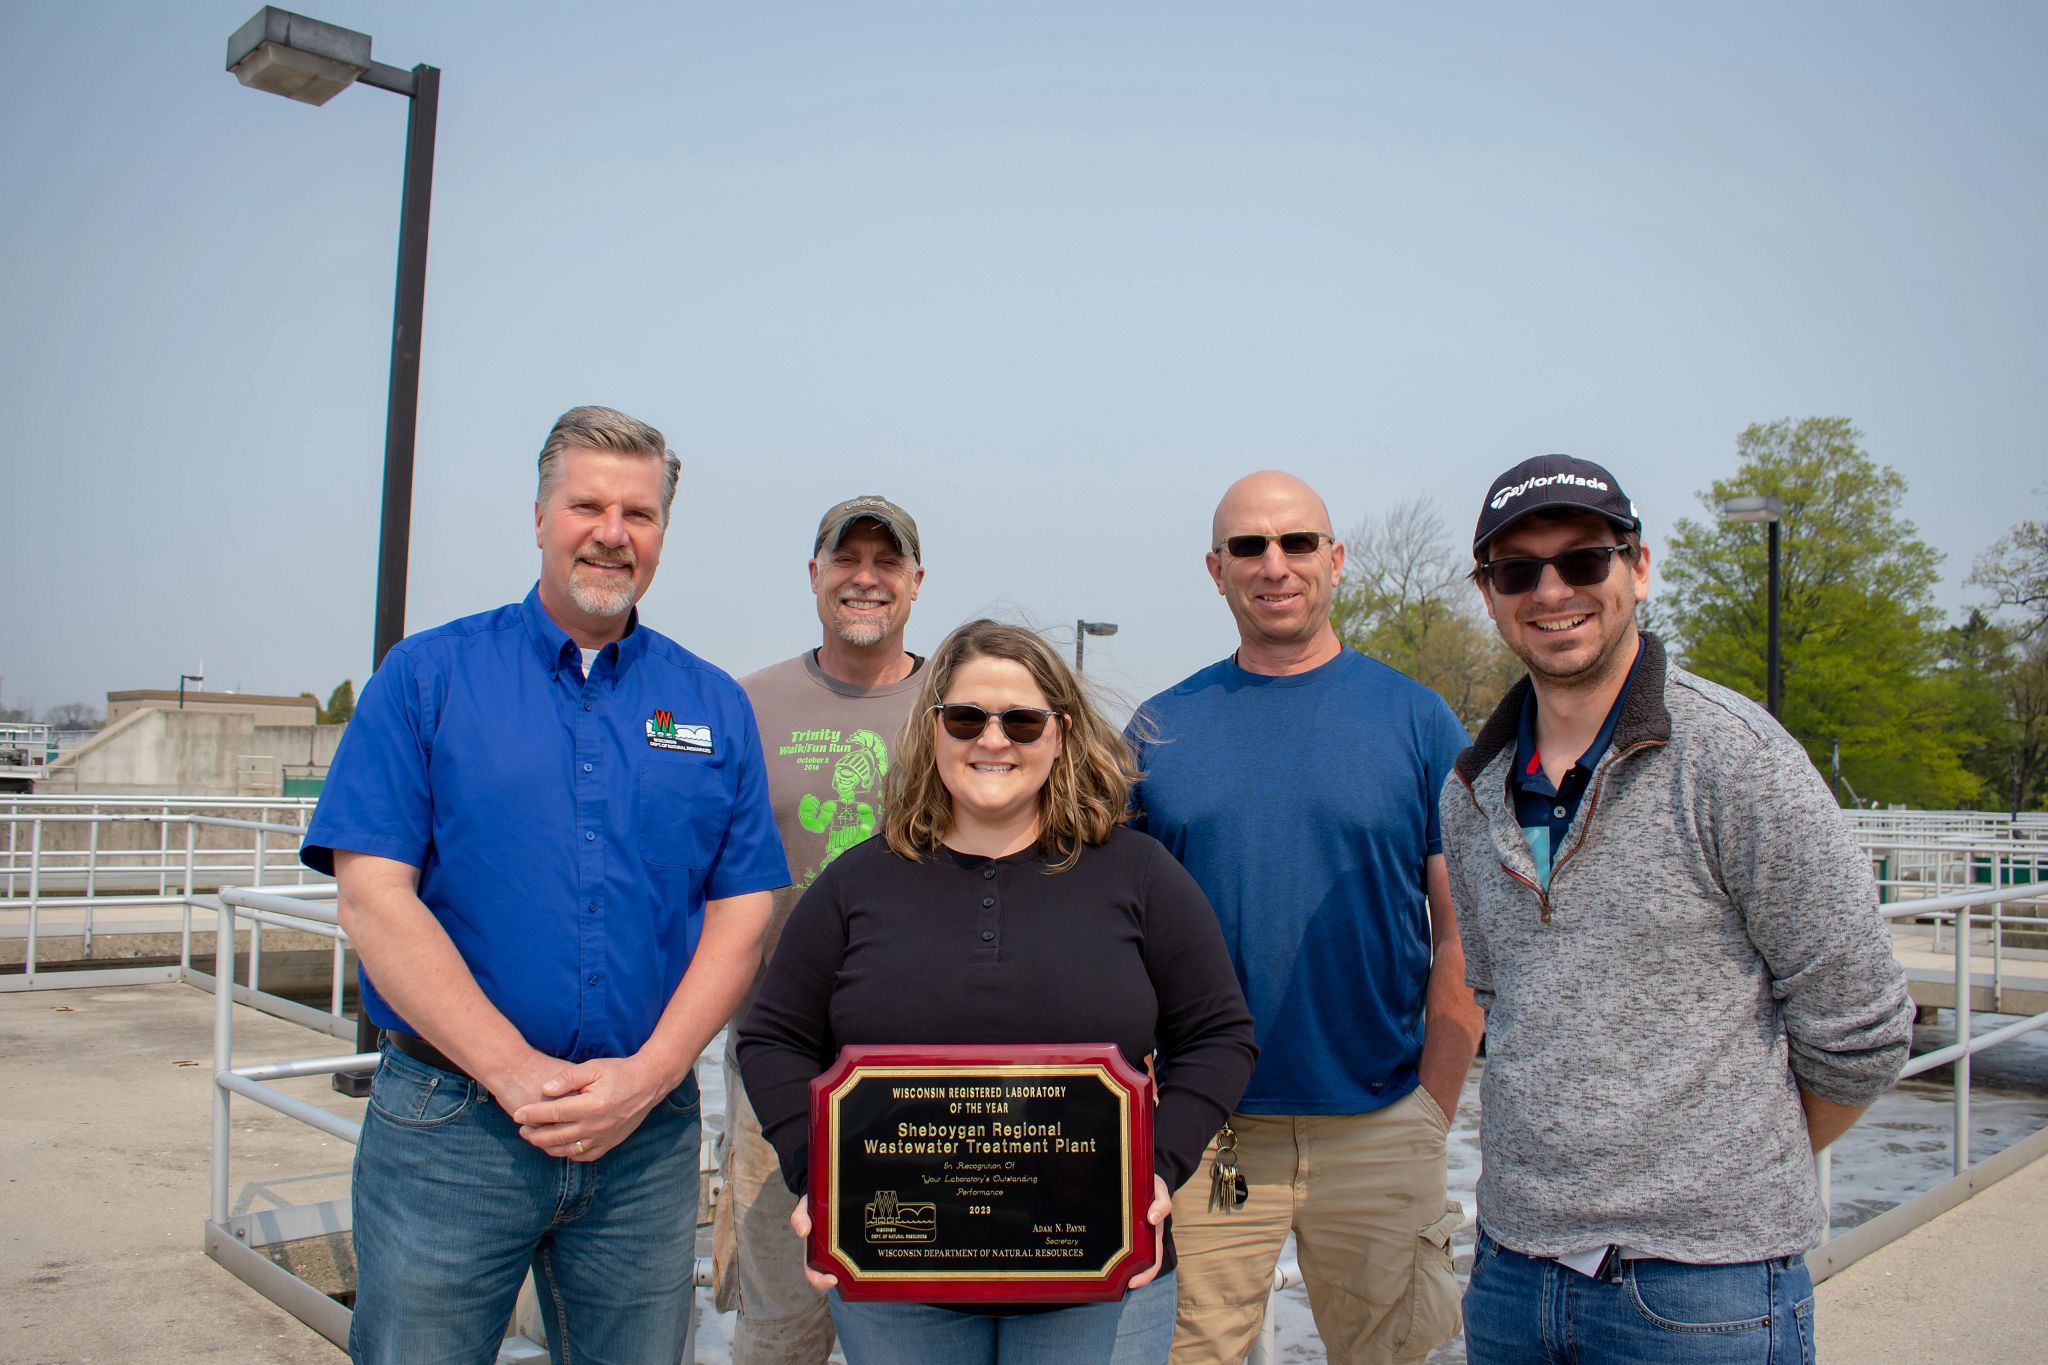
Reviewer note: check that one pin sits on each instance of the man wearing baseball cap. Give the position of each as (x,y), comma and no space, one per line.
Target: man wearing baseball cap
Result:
(828,719)
(1675,937)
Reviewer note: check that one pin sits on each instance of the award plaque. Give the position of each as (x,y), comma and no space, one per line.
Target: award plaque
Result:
(991,1173)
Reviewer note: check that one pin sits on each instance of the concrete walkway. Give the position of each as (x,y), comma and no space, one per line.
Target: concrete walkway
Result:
(103,1191)
(103,1179)
(1962,1289)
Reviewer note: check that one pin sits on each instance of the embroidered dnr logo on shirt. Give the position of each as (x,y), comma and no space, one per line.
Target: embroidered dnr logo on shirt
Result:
(664,733)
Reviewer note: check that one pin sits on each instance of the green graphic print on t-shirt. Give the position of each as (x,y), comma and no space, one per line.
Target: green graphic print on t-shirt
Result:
(851,768)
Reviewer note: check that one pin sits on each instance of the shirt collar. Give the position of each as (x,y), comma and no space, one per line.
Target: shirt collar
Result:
(557,649)
(1526,764)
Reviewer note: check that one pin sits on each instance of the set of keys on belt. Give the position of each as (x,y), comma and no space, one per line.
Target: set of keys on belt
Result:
(1227,1188)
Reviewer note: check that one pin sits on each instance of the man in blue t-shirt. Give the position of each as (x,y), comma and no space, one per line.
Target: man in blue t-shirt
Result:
(1297,780)
(552,835)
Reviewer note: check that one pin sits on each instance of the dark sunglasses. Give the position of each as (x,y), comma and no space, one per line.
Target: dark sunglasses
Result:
(1020,724)
(1291,543)
(1584,568)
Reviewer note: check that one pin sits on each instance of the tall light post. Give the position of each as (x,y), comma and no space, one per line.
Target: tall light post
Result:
(1084,629)
(1772,511)
(312,62)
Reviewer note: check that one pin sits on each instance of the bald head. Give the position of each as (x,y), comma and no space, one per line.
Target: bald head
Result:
(1271,498)
(1279,595)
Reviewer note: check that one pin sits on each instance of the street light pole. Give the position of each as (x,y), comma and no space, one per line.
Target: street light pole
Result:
(310,61)
(1084,629)
(1772,510)
(408,316)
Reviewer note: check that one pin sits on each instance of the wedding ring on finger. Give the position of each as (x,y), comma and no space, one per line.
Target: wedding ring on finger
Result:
(579,1146)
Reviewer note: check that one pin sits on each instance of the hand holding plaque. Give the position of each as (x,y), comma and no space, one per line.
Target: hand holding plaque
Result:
(1016,1173)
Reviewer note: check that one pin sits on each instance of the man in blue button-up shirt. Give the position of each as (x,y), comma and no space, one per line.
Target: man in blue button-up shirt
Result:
(555,850)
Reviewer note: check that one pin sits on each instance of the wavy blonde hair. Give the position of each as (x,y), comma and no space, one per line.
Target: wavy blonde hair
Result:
(1086,795)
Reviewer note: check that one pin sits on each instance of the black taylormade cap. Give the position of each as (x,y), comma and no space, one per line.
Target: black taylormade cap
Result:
(1553,481)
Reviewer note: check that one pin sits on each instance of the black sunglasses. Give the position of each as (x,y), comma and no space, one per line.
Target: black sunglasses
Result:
(1583,568)
(1291,543)
(1020,724)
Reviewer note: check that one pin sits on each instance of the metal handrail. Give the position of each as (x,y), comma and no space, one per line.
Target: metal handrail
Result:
(306,908)
(95,865)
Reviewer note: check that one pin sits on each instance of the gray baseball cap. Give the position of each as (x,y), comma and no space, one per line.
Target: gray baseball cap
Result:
(832,527)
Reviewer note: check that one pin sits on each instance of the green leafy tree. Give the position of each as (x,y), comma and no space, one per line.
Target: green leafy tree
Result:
(1861,637)
(341,703)
(1405,601)
(2001,668)
(2000,685)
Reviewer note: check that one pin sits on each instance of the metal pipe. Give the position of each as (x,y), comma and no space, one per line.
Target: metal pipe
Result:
(92,871)
(255,954)
(1997,951)
(291,1106)
(1961,1081)
(1942,1056)
(35,891)
(309,1066)
(1962,901)
(223,1053)
(1823,1179)
(337,984)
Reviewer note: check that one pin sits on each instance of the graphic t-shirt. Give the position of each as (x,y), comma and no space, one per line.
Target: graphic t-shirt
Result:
(828,745)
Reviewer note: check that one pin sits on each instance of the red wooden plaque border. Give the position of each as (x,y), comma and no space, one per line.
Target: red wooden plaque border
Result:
(955,1287)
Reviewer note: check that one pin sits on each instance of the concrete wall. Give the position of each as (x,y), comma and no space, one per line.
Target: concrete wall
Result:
(210,751)
(268,710)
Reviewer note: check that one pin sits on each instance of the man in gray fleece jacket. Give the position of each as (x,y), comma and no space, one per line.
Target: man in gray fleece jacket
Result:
(1675,937)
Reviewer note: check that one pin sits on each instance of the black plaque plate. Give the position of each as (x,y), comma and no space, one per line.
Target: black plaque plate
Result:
(981,1174)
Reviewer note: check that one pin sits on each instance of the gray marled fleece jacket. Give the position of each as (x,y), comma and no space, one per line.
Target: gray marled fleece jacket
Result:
(1709,943)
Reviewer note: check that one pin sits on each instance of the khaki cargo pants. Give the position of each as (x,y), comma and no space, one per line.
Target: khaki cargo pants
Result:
(1364,1196)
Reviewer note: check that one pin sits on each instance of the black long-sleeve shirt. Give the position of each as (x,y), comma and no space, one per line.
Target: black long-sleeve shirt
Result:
(1120,948)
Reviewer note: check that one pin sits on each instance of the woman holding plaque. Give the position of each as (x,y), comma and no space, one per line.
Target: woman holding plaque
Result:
(1005,904)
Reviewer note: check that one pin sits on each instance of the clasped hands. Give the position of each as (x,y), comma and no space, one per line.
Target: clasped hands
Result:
(579,1110)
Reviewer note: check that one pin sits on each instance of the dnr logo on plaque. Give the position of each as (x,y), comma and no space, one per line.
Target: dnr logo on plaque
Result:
(889,1221)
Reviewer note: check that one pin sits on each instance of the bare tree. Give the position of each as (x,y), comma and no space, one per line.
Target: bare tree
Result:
(1405,601)
(73,715)
(2016,572)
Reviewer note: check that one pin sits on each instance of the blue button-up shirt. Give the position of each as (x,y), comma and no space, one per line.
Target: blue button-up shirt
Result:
(1544,810)
(568,830)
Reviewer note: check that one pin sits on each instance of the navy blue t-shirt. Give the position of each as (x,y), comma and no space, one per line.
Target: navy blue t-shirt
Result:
(1306,808)
(568,830)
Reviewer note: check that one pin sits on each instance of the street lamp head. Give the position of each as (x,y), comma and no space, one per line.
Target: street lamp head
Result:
(1097,627)
(1757,508)
(302,59)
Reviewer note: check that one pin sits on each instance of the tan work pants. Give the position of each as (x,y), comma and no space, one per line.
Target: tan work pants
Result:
(1364,1196)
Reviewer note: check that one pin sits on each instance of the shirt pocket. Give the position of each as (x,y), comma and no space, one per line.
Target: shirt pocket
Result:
(681,812)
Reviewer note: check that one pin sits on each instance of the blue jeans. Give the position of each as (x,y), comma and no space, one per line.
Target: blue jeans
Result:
(1523,1310)
(451,1206)
(1137,1328)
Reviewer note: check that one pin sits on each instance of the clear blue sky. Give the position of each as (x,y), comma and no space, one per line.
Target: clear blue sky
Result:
(1050,275)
